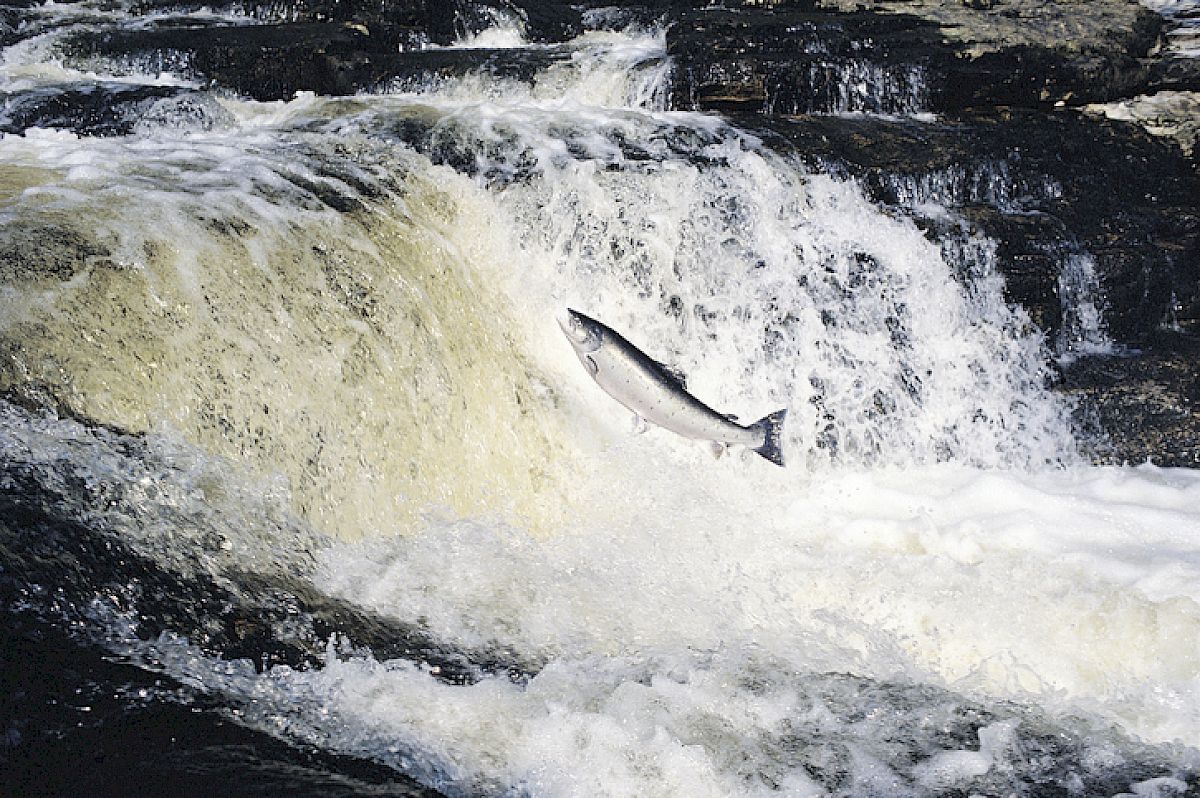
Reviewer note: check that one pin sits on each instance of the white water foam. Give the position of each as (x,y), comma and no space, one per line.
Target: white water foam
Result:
(503,32)
(692,640)
(990,583)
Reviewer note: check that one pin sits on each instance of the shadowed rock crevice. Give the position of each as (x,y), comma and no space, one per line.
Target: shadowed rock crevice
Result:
(80,721)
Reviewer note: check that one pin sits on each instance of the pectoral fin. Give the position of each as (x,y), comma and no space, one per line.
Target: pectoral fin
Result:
(639,424)
(590,364)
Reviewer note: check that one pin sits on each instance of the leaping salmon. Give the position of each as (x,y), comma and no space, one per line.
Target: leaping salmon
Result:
(658,393)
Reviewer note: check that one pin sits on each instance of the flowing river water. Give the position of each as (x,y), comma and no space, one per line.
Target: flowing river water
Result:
(261,360)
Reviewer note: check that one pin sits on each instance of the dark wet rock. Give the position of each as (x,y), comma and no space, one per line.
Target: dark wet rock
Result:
(1175,74)
(1036,76)
(1069,26)
(1031,259)
(271,62)
(1146,404)
(19,21)
(436,22)
(79,721)
(428,21)
(793,60)
(549,22)
(798,62)
(90,109)
(1170,114)
(10,21)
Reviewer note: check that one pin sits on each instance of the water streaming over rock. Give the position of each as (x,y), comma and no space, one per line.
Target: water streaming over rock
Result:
(288,423)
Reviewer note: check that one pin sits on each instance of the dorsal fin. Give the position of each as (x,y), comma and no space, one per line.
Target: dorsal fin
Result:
(675,374)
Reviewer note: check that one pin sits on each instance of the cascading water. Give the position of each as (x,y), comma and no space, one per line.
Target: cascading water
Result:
(300,355)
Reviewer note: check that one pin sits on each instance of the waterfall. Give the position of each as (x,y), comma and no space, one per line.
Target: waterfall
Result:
(284,379)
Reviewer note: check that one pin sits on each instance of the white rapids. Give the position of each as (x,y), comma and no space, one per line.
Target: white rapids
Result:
(933,595)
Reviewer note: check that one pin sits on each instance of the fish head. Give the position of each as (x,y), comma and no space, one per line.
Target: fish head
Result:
(585,334)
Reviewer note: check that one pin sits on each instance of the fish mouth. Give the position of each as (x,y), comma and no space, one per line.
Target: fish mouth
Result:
(564,317)
(573,327)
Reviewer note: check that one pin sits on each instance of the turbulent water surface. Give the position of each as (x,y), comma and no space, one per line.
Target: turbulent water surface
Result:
(304,492)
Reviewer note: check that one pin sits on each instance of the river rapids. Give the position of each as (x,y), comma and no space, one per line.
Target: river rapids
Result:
(304,492)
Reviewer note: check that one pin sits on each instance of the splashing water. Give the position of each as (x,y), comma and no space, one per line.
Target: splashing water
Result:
(353,301)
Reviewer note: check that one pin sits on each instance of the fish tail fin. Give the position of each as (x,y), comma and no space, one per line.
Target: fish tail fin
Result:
(772,427)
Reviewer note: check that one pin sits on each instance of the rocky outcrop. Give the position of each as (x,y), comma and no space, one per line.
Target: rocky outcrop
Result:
(978,27)
(274,61)
(793,62)
(1172,114)
(436,22)
(1146,405)
(931,57)
(107,109)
